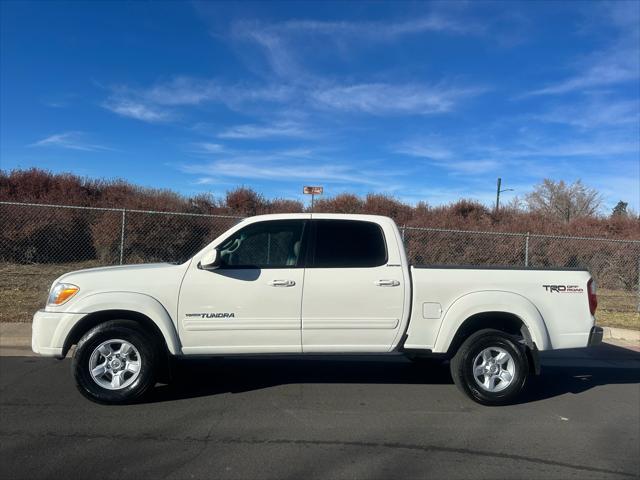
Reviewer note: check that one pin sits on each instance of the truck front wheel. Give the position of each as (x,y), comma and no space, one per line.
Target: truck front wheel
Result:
(490,367)
(114,362)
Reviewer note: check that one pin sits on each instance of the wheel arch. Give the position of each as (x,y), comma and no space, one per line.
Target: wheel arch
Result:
(505,311)
(145,310)
(96,318)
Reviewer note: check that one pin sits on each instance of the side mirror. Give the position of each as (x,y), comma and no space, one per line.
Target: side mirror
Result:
(210,260)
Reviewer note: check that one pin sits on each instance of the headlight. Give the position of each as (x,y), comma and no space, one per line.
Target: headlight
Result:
(61,292)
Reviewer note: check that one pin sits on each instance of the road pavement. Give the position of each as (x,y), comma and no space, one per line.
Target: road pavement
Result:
(325,417)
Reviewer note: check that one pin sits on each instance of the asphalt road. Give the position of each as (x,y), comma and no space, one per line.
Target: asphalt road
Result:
(341,417)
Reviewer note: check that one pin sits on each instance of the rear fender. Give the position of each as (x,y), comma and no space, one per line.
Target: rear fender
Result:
(492,301)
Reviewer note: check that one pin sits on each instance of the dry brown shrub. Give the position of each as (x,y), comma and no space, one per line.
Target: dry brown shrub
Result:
(343,203)
(55,235)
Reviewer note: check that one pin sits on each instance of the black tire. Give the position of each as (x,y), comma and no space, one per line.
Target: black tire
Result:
(129,331)
(462,367)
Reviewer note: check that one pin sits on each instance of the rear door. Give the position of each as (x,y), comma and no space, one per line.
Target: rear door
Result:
(353,296)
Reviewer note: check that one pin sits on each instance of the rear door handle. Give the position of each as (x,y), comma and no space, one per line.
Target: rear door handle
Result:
(387,283)
(282,283)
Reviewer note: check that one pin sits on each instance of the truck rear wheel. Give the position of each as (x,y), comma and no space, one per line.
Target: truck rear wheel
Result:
(490,367)
(115,362)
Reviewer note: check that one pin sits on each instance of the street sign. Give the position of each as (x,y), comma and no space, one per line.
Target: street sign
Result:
(312,190)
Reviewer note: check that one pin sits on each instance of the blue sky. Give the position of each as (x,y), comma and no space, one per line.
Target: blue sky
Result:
(423,101)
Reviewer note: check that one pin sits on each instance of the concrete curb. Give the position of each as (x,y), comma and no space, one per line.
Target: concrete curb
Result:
(621,334)
(15,335)
(18,335)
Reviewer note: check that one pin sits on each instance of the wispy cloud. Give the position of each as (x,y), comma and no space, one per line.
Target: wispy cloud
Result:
(607,68)
(594,114)
(282,166)
(456,162)
(254,131)
(599,147)
(160,102)
(137,110)
(615,63)
(384,98)
(280,41)
(71,141)
(207,147)
(185,91)
(380,31)
(260,170)
(427,148)
(529,155)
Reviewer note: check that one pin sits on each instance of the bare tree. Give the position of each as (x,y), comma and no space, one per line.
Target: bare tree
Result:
(564,201)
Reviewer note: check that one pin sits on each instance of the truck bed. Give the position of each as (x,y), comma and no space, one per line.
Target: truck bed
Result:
(443,297)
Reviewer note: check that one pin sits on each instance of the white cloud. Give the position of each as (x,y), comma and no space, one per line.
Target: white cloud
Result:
(258,169)
(608,68)
(159,102)
(383,98)
(594,114)
(137,110)
(284,166)
(575,148)
(277,37)
(252,131)
(206,147)
(425,149)
(615,63)
(185,91)
(282,44)
(71,141)
(431,150)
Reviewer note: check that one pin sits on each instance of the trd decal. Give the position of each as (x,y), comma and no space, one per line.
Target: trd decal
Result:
(211,315)
(563,288)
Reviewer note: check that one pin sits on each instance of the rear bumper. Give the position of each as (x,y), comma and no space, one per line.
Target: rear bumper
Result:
(595,336)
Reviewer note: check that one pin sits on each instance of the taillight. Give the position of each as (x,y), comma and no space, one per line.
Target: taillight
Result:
(593,299)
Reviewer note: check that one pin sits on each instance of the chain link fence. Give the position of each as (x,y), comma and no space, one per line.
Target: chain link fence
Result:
(39,242)
(615,264)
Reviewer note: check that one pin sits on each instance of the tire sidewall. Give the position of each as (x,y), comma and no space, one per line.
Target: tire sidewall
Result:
(465,366)
(122,330)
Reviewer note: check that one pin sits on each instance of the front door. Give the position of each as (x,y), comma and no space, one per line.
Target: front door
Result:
(353,296)
(252,302)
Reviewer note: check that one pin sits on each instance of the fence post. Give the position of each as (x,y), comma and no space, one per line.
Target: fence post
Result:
(402,232)
(526,250)
(124,220)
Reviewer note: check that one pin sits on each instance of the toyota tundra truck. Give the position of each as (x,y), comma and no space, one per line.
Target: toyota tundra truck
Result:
(312,284)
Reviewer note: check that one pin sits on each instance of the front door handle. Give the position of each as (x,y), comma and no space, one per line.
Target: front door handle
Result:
(282,283)
(387,283)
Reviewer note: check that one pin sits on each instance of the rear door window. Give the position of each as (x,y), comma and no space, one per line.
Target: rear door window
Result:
(348,244)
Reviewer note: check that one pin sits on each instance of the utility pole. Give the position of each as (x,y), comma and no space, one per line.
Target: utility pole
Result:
(498,192)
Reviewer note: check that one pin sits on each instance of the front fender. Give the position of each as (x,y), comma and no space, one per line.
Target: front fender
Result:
(134,302)
(492,301)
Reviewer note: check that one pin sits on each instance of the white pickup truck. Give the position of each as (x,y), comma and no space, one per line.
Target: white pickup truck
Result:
(312,284)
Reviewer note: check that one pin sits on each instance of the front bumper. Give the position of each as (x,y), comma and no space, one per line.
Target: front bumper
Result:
(49,331)
(595,336)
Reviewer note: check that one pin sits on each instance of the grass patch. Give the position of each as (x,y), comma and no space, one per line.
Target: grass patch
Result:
(25,289)
(618,308)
